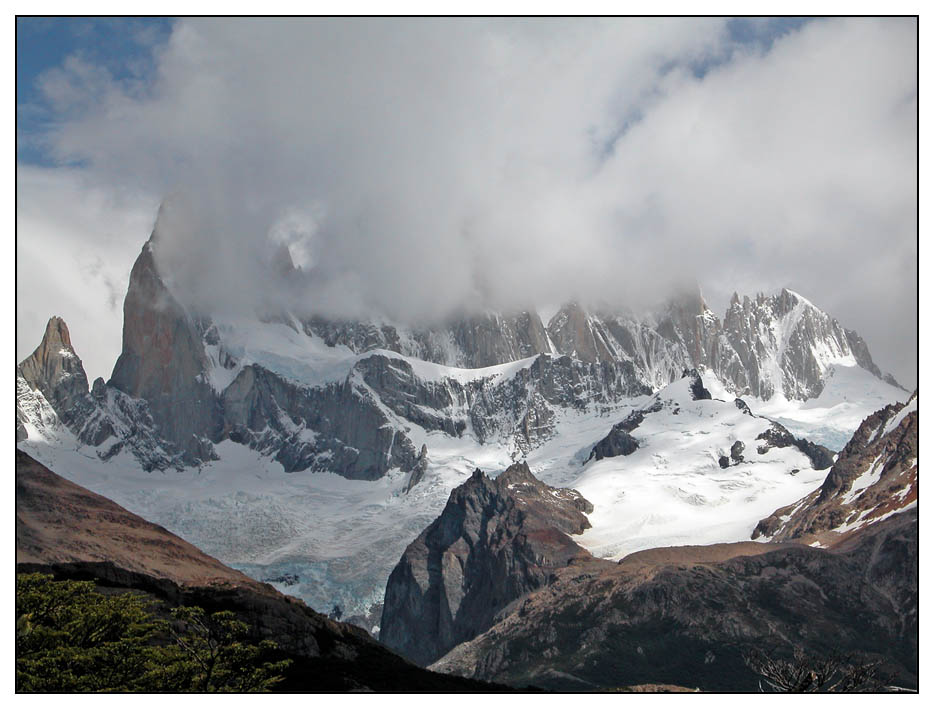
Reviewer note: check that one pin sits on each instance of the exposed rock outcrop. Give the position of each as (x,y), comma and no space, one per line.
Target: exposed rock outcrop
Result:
(52,392)
(33,411)
(617,442)
(874,477)
(698,390)
(685,615)
(495,541)
(782,333)
(163,361)
(55,370)
(777,436)
(470,341)
(418,472)
(340,427)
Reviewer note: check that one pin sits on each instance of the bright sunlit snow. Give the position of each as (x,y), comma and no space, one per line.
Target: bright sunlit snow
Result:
(342,537)
(850,394)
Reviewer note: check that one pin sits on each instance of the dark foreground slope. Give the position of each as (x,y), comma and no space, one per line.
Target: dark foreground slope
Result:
(687,615)
(66,530)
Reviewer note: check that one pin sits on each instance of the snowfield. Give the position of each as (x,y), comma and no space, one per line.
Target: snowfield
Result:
(672,490)
(341,537)
(850,394)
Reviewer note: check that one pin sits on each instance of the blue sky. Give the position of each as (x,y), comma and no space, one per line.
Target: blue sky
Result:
(124,46)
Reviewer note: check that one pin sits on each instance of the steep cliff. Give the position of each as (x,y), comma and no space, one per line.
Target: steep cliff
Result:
(163,362)
(495,541)
(874,477)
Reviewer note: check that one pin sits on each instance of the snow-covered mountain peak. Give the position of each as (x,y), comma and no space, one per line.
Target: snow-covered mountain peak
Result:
(376,421)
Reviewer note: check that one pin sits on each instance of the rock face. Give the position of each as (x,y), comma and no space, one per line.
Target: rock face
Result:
(777,436)
(495,541)
(784,333)
(340,427)
(55,369)
(163,362)
(685,615)
(418,472)
(52,386)
(468,342)
(184,383)
(52,392)
(874,477)
(788,332)
(617,442)
(32,411)
(698,390)
(70,532)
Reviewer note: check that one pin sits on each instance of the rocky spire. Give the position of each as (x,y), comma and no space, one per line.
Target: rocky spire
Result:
(55,369)
(495,541)
(163,360)
(573,332)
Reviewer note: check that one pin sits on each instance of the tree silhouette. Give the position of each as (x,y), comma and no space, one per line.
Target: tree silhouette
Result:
(810,673)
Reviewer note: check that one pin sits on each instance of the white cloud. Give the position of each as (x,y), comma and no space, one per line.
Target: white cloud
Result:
(76,243)
(429,165)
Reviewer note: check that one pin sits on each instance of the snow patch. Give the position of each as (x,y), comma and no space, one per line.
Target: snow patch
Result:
(910,407)
(869,477)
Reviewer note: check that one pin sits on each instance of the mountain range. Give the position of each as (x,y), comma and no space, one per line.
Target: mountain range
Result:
(310,452)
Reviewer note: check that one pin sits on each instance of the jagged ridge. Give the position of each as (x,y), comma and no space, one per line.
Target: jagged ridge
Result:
(874,477)
(495,541)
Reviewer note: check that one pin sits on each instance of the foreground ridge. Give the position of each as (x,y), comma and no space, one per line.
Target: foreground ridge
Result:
(68,531)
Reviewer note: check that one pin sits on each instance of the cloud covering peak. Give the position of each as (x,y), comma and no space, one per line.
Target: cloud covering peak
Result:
(420,167)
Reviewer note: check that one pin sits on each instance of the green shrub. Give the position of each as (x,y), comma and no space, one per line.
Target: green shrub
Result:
(70,638)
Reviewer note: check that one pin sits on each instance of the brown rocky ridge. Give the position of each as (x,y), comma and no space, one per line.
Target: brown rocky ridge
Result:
(686,616)
(874,477)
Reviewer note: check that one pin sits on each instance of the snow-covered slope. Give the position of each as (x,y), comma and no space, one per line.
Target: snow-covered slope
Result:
(291,447)
(340,538)
(35,417)
(849,394)
(673,489)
